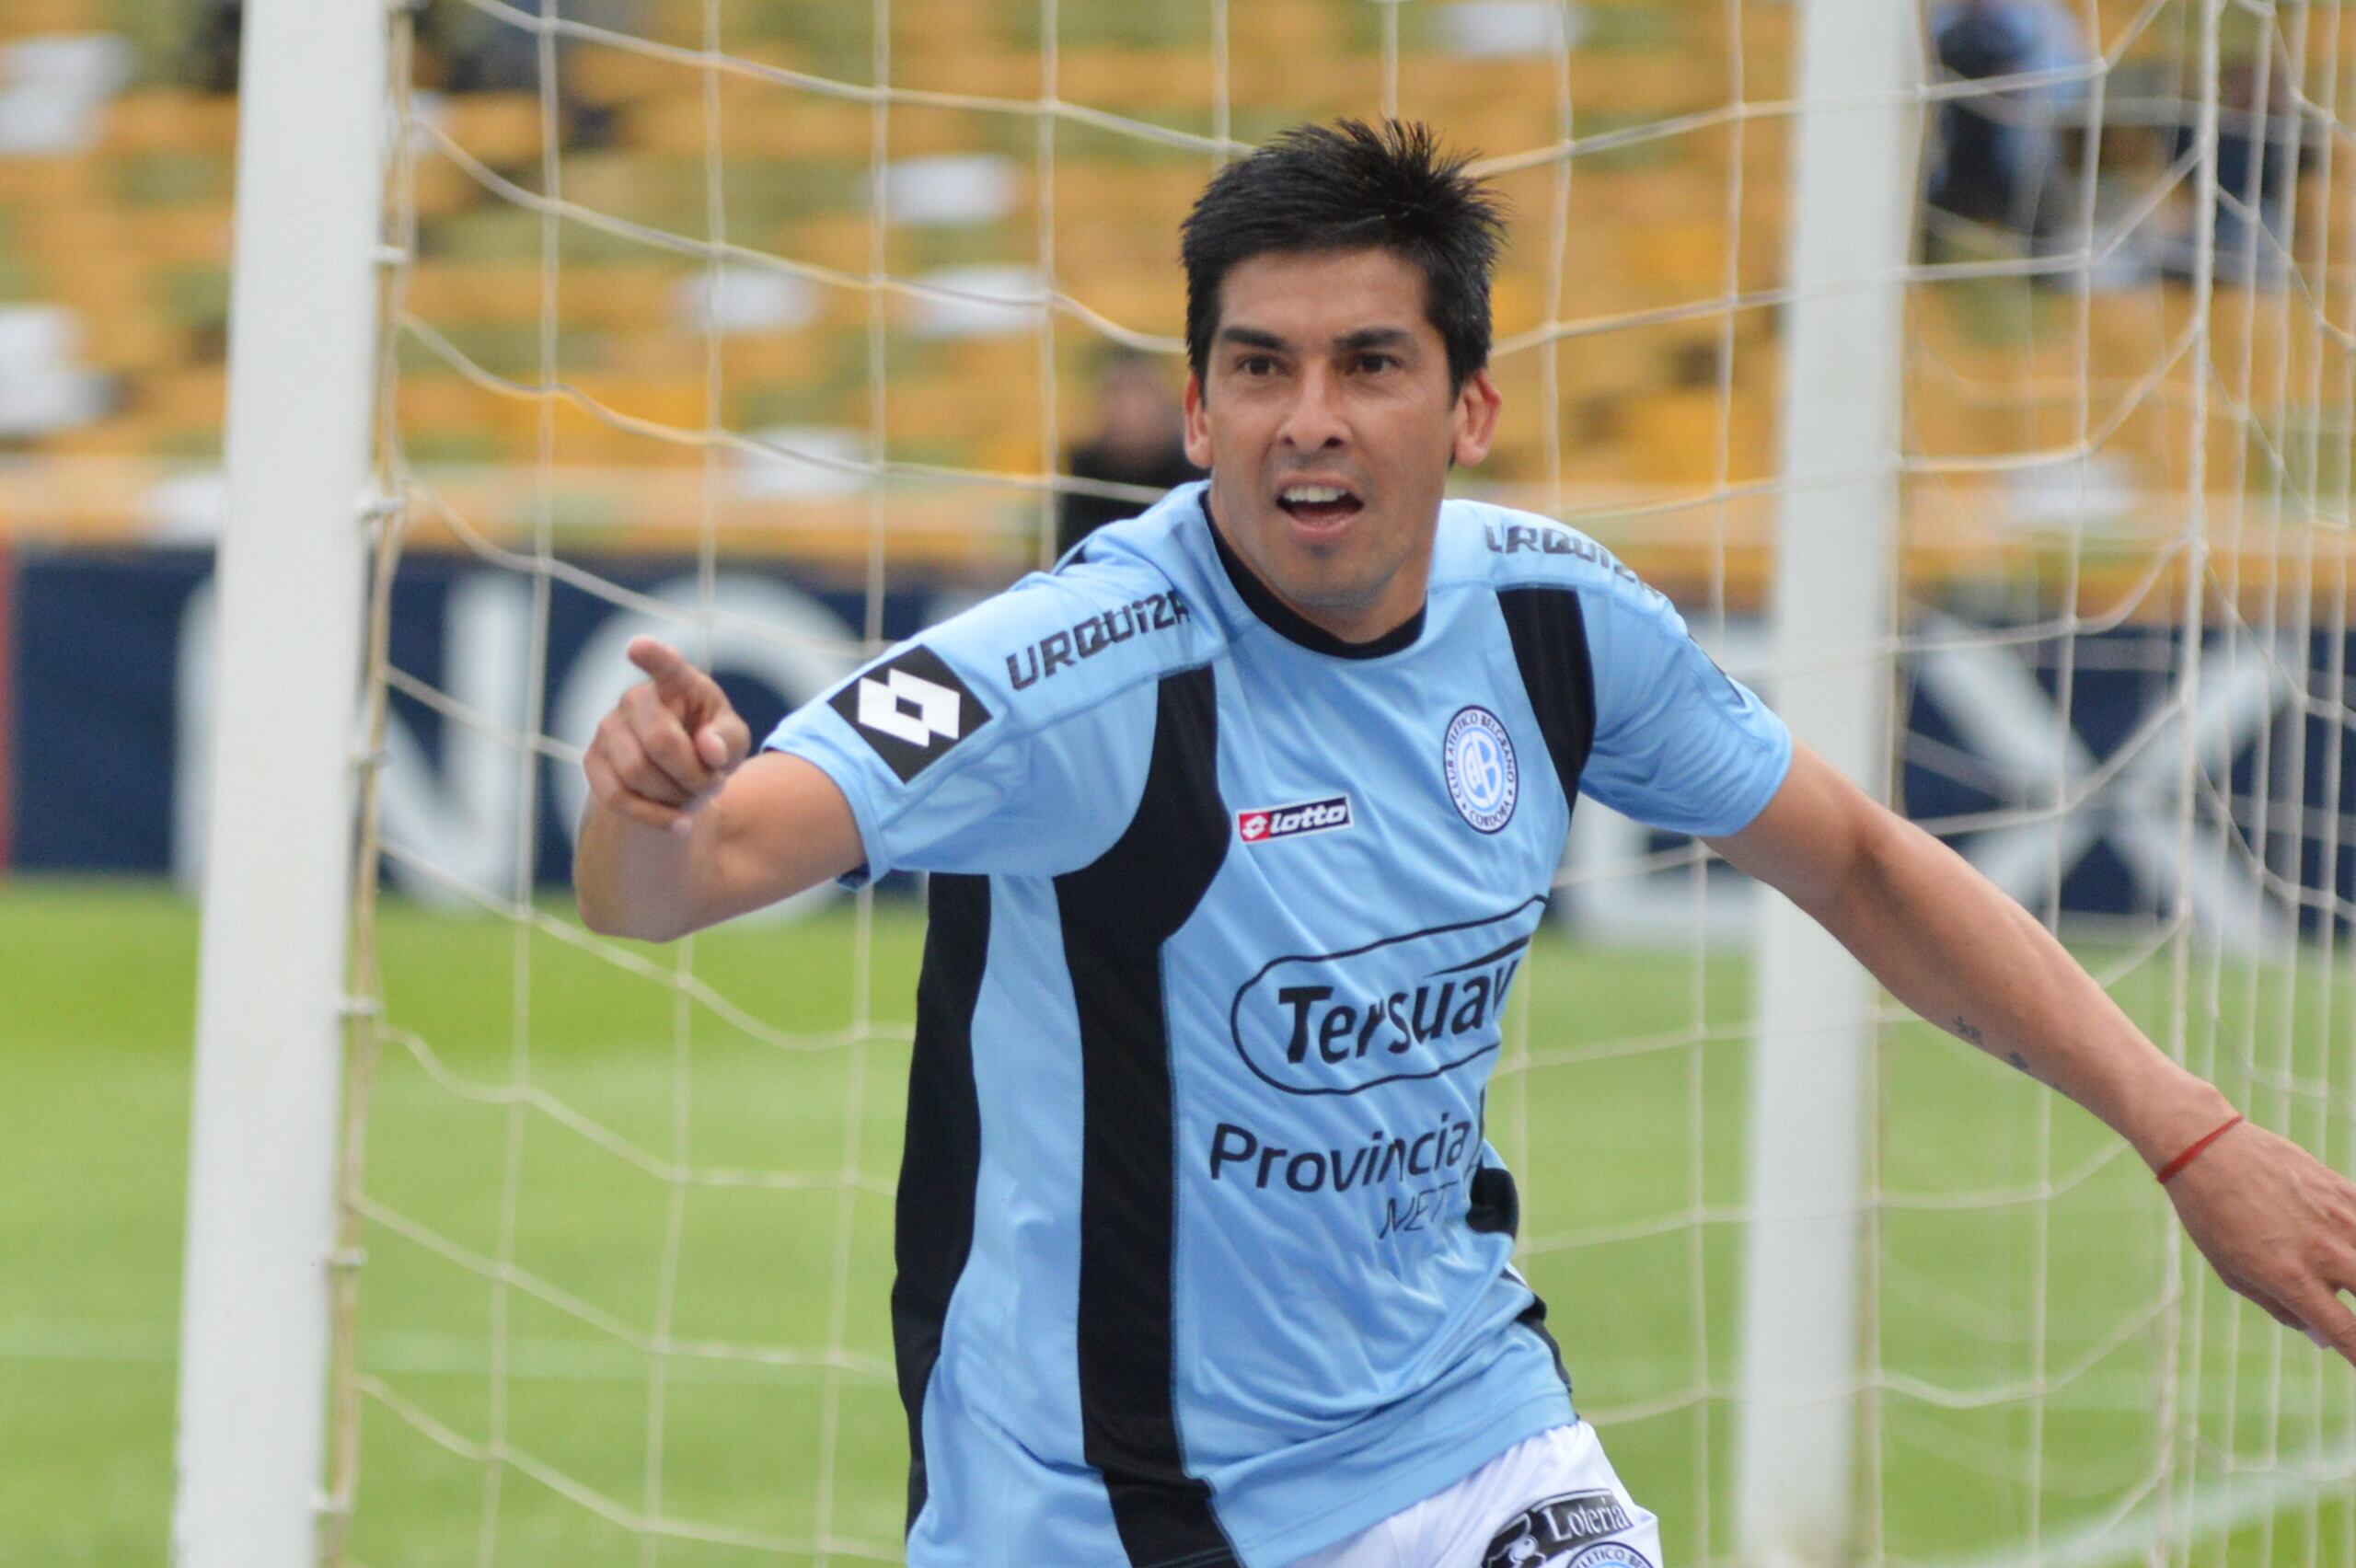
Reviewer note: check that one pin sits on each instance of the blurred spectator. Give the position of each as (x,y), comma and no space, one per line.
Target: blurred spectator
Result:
(483,53)
(55,89)
(2000,150)
(2259,158)
(477,50)
(44,386)
(1140,440)
(213,46)
(2257,163)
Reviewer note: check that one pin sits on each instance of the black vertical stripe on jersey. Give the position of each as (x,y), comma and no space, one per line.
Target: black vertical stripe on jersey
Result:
(1549,633)
(1116,914)
(1549,645)
(1533,1318)
(933,1222)
(1496,1206)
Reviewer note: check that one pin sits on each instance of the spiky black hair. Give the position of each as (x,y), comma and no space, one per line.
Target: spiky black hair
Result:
(1345,187)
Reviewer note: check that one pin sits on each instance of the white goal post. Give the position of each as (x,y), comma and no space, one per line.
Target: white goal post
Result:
(262,1213)
(1836,560)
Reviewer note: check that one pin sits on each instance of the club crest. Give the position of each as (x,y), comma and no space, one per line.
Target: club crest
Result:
(1484,777)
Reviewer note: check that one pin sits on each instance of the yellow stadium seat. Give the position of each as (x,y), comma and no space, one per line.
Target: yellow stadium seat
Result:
(1125,80)
(103,282)
(778,123)
(52,181)
(835,240)
(443,291)
(132,338)
(790,358)
(439,401)
(672,400)
(182,396)
(938,410)
(500,129)
(170,120)
(134,435)
(582,437)
(27,18)
(441,188)
(1653,86)
(1675,435)
(1287,32)
(1689,257)
(601,74)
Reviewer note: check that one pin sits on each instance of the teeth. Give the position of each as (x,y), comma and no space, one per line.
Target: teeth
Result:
(1313,495)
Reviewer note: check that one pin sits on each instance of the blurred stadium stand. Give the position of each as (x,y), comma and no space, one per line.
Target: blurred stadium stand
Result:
(2046,434)
(116,171)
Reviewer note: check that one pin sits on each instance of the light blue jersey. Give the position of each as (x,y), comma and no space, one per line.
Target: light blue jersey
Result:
(1202,1257)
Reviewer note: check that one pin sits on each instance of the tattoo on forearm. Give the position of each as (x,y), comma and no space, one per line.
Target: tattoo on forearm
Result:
(1978,1036)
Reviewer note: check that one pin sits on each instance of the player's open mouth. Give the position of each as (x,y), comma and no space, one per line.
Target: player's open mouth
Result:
(1320,506)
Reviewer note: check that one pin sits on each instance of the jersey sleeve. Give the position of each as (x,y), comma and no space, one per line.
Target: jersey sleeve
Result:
(952,761)
(1679,744)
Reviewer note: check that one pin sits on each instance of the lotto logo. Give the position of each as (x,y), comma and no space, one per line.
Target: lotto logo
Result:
(911,708)
(1287,821)
(907,706)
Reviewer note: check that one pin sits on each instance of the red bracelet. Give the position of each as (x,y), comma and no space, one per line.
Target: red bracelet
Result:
(2190,1155)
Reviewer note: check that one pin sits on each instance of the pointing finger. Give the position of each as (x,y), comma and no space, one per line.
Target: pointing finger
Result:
(673,678)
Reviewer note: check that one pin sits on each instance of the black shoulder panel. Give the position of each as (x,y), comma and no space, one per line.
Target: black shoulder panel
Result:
(1116,914)
(1549,635)
(933,1221)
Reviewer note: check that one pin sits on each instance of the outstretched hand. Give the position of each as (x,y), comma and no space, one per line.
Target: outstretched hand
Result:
(2279,1226)
(668,744)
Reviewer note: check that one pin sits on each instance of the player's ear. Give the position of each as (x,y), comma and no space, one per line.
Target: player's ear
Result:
(1477,402)
(1198,423)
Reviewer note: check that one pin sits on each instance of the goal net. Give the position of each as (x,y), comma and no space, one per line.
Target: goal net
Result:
(773,330)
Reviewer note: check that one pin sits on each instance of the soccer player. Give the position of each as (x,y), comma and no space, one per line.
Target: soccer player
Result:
(1240,822)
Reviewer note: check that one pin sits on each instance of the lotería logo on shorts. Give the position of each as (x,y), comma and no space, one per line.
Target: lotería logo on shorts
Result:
(1483,779)
(1545,1534)
(1264,823)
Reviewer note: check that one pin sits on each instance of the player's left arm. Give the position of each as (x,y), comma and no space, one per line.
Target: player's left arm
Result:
(2279,1226)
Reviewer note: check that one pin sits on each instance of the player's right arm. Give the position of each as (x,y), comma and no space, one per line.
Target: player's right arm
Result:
(681,831)
(1680,745)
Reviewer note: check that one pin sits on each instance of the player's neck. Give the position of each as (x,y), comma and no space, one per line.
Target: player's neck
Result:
(1382,628)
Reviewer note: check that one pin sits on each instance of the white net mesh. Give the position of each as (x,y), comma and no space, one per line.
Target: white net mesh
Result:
(770,330)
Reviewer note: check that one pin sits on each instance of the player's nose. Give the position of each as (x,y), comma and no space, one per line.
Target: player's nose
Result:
(1315,422)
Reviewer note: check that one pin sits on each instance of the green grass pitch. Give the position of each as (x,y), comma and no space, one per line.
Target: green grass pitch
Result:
(1620,1103)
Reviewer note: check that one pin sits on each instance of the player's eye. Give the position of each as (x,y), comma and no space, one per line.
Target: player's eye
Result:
(1372,364)
(1255,364)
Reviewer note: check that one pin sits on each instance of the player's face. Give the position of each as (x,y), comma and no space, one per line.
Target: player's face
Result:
(1324,416)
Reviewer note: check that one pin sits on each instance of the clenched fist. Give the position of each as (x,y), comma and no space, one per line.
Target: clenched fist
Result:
(668,744)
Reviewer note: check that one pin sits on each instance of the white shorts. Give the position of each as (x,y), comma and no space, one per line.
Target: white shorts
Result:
(1551,1501)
